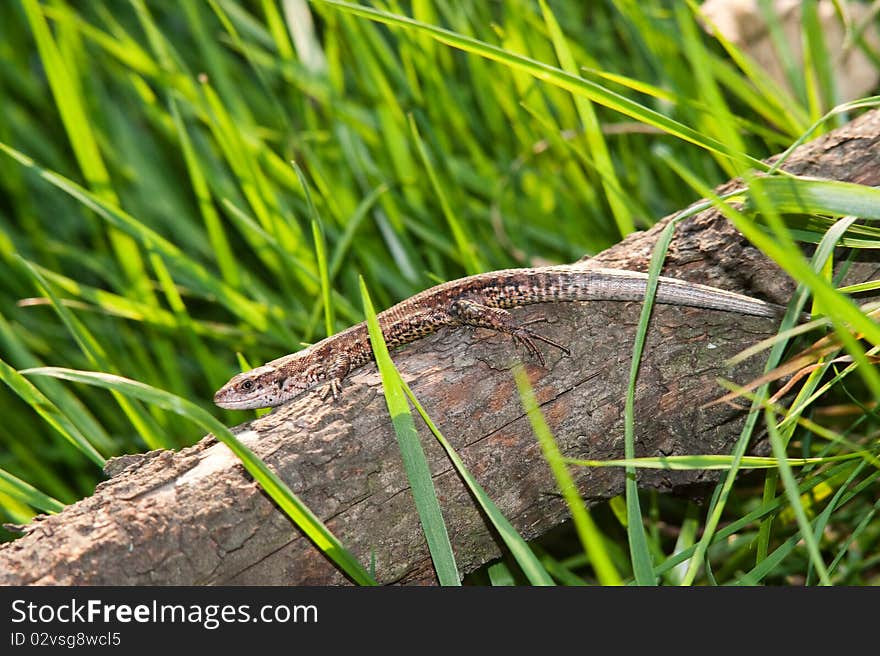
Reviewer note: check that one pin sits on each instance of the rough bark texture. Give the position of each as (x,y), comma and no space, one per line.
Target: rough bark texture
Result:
(196,517)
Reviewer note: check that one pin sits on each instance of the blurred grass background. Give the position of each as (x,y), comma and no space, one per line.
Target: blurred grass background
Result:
(152,223)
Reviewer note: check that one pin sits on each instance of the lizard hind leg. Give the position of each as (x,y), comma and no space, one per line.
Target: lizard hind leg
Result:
(475,314)
(540,337)
(527,336)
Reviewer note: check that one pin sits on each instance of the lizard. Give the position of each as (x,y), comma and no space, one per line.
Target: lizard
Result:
(481,300)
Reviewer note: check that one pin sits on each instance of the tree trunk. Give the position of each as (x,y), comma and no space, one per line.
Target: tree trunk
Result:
(196,517)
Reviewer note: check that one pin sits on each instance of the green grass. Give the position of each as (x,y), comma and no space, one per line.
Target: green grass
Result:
(414,461)
(182,183)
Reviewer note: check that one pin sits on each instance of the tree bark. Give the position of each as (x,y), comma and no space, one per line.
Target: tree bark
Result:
(195,517)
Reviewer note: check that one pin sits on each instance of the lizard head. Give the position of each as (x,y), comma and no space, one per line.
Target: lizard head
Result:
(267,386)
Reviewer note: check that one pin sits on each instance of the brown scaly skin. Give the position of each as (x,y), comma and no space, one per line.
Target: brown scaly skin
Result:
(480,301)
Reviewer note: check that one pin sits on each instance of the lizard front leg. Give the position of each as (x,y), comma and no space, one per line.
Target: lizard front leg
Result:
(475,314)
(335,374)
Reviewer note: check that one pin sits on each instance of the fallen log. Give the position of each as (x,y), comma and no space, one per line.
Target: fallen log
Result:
(195,517)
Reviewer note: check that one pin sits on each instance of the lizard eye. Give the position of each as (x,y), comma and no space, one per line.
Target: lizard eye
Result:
(247,385)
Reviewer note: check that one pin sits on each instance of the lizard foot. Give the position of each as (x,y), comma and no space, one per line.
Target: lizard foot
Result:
(527,338)
(333,387)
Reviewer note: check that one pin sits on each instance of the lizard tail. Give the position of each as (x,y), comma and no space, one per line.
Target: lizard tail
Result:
(625,286)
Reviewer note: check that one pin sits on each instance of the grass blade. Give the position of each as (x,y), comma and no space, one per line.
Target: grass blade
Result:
(809,196)
(320,255)
(414,461)
(26,493)
(791,491)
(94,351)
(71,104)
(592,129)
(254,314)
(213,225)
(638,542)
(466,252)
(591,539)
(525,558)
(552,75)
(22,357)
(49,412)
(316,531)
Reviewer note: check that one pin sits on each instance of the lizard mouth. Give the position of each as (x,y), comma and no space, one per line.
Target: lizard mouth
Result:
(221,399)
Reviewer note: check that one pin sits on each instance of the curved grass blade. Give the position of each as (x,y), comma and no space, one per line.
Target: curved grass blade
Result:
(544,72)
(791,490)
(298,512)
(414,462)
(522,553)
(320,253)
(70,406)
(466,252)
(92,348)
(26,493)
(810,196)
(766,509)
(592,129)
(643,566)
(49,412)
(587,531)
(254,314)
